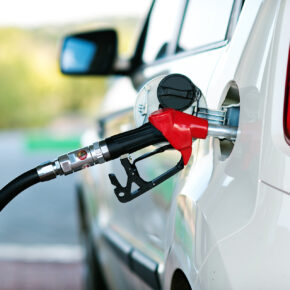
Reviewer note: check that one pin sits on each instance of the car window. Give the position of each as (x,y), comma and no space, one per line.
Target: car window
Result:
(205,22)
(161,28)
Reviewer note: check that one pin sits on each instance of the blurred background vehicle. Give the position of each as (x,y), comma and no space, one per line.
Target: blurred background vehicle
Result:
(44,114)
(223,223)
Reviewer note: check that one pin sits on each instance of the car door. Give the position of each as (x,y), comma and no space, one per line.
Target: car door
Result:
(225,221)
(179,39)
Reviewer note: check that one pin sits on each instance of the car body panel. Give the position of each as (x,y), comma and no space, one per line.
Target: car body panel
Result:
(221,221)
(276,152)
(227,199)
(145,227)
(255,256)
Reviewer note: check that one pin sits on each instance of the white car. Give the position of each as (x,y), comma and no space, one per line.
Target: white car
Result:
(224,221)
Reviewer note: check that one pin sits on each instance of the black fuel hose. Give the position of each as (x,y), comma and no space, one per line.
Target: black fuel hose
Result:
(133,140)
(97,153)
(17,185)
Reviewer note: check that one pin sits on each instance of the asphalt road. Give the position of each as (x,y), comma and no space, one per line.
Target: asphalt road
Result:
(39,245)
(44,213)
(40,276)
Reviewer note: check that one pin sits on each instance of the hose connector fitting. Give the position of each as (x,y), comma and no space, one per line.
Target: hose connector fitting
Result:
(97,153)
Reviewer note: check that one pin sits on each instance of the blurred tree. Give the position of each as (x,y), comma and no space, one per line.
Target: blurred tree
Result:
(32,89)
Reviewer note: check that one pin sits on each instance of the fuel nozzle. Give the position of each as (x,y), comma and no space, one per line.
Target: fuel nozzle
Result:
(176,128)
(167,111)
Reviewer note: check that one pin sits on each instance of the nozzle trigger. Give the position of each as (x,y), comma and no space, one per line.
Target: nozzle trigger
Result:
(125,193)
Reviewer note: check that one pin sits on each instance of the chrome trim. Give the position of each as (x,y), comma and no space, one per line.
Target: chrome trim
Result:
(74,161)
(65,164)
(105,151)
(83,157)
(213,116)
(171,49)
(97,154)
(183,54)
(235,14)
(233,19)
(48,170)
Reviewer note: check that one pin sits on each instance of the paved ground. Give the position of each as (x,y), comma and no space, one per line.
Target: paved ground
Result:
(44,213)
(38,230)
(40,276)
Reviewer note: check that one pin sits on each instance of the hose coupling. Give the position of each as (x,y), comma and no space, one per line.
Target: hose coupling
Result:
(97,153)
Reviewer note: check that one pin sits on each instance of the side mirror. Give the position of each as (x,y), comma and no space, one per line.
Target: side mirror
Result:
(89,53)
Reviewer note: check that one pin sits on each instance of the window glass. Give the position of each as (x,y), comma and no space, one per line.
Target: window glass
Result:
(205,22)
(162,25)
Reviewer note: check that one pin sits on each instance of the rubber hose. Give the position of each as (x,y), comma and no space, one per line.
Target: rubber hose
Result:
(17,185)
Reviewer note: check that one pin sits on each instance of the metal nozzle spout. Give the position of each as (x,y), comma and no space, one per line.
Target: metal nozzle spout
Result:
(222,132)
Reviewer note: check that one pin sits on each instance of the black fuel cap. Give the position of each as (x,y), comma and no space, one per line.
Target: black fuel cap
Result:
(177,91)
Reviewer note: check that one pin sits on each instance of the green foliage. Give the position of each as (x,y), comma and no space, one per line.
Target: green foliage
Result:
(32,90)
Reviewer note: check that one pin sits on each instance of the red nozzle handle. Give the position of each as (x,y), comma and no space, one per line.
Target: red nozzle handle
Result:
(179,129)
